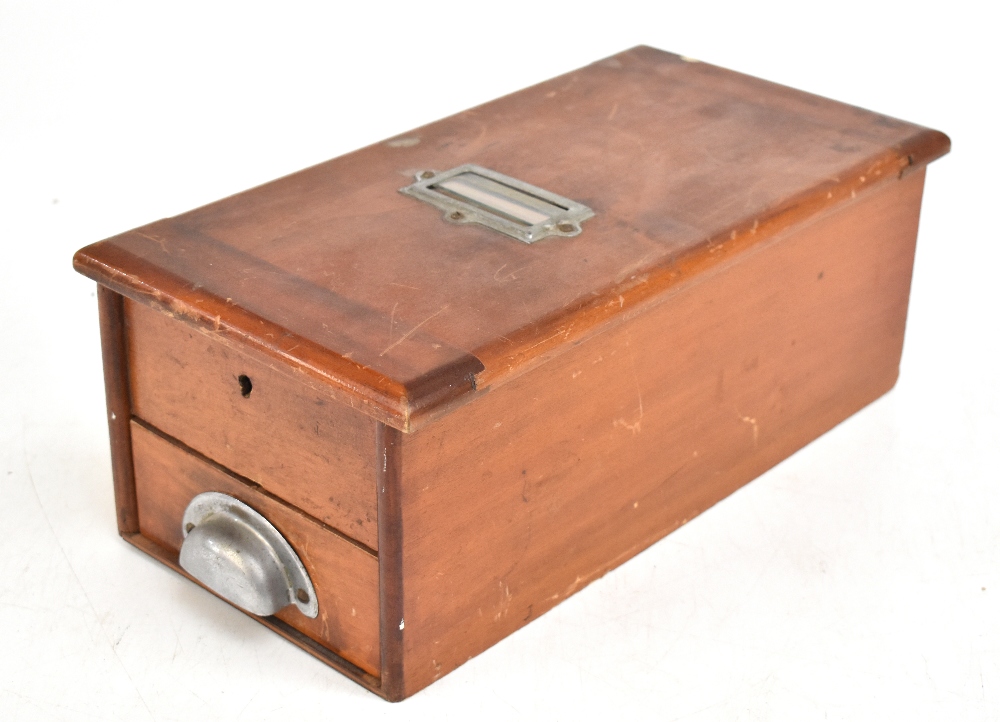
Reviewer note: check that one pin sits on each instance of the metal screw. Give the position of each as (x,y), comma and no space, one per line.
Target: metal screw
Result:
(456,215)
(302,595)
(427,174)
(566,227)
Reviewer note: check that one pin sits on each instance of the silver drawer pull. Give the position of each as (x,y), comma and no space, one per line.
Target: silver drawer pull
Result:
(473,194)
(240,556)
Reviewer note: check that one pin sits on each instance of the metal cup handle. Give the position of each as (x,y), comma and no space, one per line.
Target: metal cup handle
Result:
(239,555)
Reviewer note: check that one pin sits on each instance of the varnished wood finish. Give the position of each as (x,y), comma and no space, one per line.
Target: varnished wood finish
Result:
(333,272)
(344,574)
(289,436)
(503,422)
(116,390)
(169,558)
(511,504)
(389,444)
(249,323)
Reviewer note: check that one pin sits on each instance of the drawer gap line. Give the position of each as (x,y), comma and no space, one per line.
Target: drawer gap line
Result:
(253,485)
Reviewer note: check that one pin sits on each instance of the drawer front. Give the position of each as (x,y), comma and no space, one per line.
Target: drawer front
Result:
(239,410)
(344,575)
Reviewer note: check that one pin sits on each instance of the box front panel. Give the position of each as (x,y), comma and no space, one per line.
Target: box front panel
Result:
(344,575)
(248,415)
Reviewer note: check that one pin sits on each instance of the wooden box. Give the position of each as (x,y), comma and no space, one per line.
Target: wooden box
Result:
(455,428)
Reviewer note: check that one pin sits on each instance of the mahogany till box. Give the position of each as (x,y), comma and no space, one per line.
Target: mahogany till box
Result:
(601,305)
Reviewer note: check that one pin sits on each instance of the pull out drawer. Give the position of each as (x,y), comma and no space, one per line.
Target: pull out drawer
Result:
(344,574)
(237,409)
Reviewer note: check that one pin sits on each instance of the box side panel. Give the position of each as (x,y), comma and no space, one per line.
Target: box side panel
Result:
(518,500)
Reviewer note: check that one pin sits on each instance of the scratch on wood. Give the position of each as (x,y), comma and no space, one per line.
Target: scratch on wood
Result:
(505,597)
(574,586)
(403,142)
(636,426)
(160,241)
(392,320)
(562,332)
(411,331)
(512,276)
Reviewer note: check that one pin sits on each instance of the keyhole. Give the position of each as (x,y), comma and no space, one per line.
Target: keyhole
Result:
(246,386)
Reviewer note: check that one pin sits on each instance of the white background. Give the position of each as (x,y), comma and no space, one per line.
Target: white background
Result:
(859,580)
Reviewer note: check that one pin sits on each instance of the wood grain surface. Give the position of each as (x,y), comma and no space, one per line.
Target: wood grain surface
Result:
(116,390)
(332,271)
(345,575)
(390,561)
(300,640)
(311,346)
(515,502)
(288,435)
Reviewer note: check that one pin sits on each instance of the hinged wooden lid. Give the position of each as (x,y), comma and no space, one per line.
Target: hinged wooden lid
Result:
(335,272)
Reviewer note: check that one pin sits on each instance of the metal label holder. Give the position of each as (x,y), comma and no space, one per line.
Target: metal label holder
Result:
(473,194)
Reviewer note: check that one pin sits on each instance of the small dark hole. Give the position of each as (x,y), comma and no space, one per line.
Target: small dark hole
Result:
(457,216)
(302,595)
(566,227)
(188,527)
(246,386)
